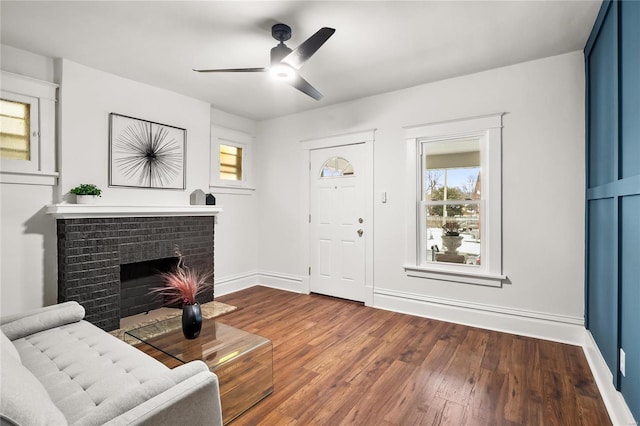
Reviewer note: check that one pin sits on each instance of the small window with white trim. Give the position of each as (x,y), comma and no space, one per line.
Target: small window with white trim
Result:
(27,130)
(455,218)
(230,161)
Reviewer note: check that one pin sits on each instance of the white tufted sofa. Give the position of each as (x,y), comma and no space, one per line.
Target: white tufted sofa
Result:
(57,369)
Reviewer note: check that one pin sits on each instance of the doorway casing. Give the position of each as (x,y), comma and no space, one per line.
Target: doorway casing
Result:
(366,137)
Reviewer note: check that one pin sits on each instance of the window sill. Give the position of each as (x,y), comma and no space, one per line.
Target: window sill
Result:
(231,189)
(460,275)
(29,178)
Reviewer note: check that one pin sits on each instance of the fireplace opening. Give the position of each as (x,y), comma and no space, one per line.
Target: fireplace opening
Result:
(136,281)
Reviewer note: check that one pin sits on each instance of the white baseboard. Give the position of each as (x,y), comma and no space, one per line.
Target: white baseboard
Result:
(526,323)
(293,283)
(233,283)
(613,400)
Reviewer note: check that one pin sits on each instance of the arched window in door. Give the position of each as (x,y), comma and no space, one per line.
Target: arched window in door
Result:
(336,167)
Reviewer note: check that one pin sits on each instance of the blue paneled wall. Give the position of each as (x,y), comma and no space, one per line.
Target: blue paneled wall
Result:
(612,58)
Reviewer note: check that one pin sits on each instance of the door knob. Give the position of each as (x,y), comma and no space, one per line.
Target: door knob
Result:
(360,232)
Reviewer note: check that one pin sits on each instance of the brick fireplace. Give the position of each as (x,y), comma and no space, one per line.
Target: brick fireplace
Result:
(95,241)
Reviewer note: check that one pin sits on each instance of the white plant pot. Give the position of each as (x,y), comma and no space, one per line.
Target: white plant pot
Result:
(86,199)
(451,243)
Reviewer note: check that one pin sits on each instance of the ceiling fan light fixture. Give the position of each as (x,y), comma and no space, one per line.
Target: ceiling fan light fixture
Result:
(285,62)
(282,72)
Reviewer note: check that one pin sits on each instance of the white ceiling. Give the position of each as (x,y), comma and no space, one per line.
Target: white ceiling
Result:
(378,46)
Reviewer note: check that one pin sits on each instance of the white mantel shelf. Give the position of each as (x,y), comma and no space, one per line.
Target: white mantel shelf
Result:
(79,211)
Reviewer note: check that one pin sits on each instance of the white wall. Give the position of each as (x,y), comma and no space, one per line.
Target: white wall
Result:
(543,175)
(236,238)
(20,61)
(543,183)
(87,96)
(28,253)
(28,277)
(28,250)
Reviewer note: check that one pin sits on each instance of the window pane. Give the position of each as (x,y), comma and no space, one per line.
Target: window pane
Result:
(15,129)
(230,162)
(461,248)
(335,167)
(451,172)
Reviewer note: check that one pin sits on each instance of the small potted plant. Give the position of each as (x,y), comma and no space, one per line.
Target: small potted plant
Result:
(451,238)
(181,286)
(86,193)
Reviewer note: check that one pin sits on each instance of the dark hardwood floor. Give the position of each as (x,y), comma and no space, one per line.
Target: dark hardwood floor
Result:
(338,362)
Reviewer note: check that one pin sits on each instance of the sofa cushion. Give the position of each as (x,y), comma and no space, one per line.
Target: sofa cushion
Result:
(7,347)
(120,403)
(81,366)
(44,319)
(24,401)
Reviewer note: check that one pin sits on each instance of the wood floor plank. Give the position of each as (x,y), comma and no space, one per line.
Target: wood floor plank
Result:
(339,362)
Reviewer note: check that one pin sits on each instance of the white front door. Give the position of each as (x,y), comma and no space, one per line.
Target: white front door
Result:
(337,221)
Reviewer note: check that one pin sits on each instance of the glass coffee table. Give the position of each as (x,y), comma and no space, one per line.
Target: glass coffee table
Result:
(242,361)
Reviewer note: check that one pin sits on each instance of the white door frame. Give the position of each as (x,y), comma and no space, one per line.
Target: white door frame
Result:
(366,137)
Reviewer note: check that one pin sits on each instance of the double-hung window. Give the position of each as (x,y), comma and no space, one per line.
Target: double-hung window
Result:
(455,217)
(451,201)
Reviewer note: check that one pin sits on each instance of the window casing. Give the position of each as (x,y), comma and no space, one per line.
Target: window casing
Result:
(27,151)
(468,153)
(230,161)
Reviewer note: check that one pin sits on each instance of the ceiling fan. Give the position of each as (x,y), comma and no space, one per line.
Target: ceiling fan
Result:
(285,62)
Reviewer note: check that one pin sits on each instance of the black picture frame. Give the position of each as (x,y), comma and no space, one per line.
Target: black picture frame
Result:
(146,154)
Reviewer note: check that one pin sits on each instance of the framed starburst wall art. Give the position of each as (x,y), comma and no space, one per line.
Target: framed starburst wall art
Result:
(144,154)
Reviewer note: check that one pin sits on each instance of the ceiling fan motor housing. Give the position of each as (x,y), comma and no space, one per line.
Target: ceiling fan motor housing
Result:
(281,32)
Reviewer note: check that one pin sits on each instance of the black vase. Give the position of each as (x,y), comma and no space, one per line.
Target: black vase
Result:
(191,321)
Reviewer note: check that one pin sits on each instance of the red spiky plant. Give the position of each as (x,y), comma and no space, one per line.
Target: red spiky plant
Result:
(182,284)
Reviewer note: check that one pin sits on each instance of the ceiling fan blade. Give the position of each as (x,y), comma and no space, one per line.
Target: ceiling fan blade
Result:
(236,70)
(303,85)
(303,52)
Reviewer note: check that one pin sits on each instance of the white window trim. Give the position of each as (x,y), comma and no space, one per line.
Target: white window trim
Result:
(41,168)
(488,129)
(230,137)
